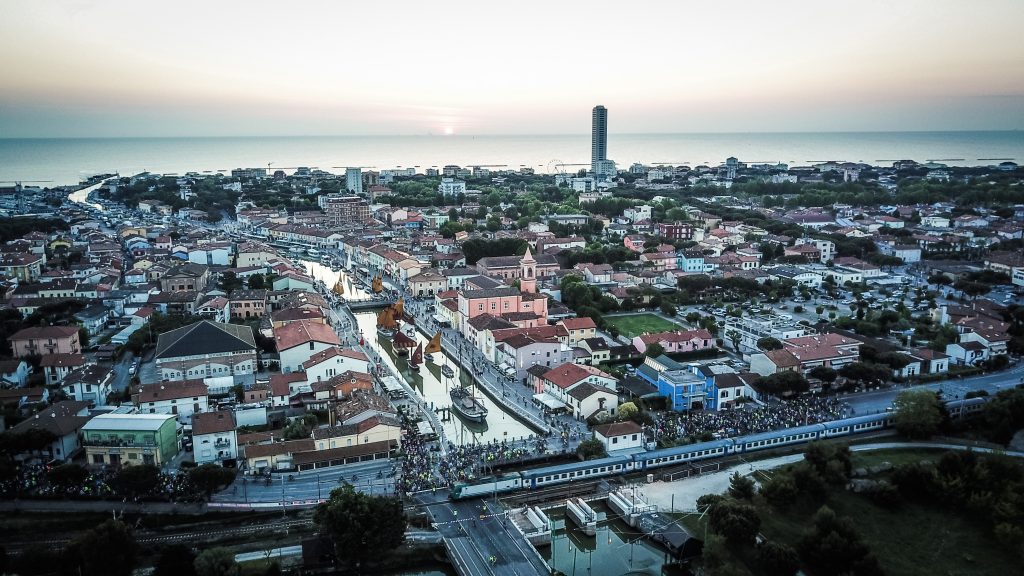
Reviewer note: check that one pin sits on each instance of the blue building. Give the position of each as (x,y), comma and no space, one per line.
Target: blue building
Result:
(684,389)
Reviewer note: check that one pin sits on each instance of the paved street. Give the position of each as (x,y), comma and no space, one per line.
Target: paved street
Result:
(481,540)
(368,477)
(877,401)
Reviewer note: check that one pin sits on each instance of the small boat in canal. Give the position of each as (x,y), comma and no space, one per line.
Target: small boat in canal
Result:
(466,405)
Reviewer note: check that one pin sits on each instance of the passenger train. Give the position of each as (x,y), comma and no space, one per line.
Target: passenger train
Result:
(641,463)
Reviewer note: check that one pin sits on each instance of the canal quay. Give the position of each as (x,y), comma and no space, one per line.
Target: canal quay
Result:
(429,383)
(616,549)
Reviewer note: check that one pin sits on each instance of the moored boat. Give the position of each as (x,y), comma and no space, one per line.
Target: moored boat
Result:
(466,405)
(447,371)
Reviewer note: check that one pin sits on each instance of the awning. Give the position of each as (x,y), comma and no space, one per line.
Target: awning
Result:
(549,401)
(423,428)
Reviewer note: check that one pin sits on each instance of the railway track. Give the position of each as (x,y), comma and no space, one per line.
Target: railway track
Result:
(179,536)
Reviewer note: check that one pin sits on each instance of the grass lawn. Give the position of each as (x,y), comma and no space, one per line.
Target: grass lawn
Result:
(637,324)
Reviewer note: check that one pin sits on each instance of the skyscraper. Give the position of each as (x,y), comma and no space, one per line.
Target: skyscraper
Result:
(598,138)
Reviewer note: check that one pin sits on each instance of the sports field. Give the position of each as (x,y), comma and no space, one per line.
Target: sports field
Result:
(636,324)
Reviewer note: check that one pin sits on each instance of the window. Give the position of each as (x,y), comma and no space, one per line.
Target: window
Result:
(311,344)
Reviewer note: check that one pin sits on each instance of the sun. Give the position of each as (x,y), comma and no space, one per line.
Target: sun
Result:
(448,130)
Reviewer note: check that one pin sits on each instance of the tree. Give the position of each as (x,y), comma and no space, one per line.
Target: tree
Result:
(734,337)
(136,480)
(918,413)
(778,559)
(107,550)
(67,475)
(208,478)
(256,281)
(591,449)
(216,562)
(229,282)
(780,490)
(175,560)
(863,372)
(823,373)
(741,487)
(784,383)
(768,343)
(359,525)
(833,547)
(654,350)
(628,411)
(738,522)
(667,308)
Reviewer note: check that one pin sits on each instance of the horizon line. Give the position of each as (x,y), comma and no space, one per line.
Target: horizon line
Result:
(506,135)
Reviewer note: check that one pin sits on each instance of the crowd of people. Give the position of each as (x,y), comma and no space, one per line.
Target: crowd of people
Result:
(42,481)
(424,469)
(704,424)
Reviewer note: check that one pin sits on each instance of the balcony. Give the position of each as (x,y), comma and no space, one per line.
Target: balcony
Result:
(118,443)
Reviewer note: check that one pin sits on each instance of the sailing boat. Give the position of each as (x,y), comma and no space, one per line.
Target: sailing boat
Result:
(433,346)
(468,406)
(416,359)
(378,285)
(339,288)
(403,343)
(386,323)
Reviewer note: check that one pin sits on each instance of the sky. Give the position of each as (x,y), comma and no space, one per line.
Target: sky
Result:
(231,68)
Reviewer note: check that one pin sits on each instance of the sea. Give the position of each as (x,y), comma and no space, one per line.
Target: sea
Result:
(48,162)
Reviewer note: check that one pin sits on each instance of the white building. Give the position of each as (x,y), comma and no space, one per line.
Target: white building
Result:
(214,438)
(451,187)
(183,399)
(620,435)
(354,180)
(826,247)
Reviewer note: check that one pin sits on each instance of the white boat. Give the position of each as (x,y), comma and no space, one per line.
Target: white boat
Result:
(313,252)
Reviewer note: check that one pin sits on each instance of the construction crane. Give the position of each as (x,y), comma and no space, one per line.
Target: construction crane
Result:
(23,181)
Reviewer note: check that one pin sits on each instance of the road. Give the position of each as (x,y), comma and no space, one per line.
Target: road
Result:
(310,485)
(481,540)
(873,402)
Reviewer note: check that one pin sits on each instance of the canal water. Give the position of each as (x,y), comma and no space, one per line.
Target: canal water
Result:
(617,549)
(429,382)
(434,387)
(82,196)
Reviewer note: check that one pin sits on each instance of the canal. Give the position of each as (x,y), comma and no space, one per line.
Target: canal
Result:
(428,382)
(617,549)
(82,196)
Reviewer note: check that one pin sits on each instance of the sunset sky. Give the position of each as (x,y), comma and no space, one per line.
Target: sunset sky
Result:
(184,68)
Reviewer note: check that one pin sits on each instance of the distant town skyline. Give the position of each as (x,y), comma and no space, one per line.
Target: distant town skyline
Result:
(118,68)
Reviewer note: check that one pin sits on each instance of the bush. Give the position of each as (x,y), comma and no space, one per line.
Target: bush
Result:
(778,559)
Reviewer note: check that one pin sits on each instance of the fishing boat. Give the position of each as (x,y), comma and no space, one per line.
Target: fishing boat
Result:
(403,344)
(466,405)
(386,323)
(313,252)
(433,347)
(447,371)
(417,358)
